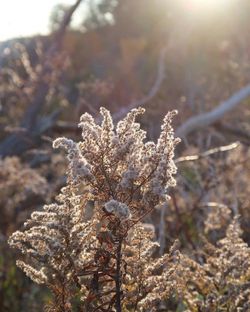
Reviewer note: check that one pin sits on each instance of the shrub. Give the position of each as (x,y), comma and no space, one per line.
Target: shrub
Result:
(91,248)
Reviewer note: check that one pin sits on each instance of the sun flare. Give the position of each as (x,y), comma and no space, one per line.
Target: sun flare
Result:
(206,6)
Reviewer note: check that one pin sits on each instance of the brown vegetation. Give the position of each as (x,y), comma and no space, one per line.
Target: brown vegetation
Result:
(119,236)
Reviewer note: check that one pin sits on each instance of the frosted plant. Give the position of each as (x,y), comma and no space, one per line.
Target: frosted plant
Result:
(92,259)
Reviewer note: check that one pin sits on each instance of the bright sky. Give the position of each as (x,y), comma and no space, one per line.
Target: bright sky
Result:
(20,18)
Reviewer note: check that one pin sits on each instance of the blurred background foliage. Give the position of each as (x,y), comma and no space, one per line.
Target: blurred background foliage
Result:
(111,59)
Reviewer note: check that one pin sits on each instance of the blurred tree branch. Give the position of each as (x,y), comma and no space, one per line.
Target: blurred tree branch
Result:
(235,131)
(152,92)
(209,152)
(206,119)
(17,143)
(62,126)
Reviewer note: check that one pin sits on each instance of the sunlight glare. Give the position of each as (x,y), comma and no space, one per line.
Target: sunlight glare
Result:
(206,6)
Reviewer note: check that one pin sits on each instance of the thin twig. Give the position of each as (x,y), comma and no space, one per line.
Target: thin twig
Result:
(152,92)
(118,305)
(209,152)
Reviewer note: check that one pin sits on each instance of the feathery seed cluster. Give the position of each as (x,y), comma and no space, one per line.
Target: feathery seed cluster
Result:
(80,244)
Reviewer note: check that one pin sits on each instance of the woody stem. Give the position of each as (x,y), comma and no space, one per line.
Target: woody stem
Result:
(118,277)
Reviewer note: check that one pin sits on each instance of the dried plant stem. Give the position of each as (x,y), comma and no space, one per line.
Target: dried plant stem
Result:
(118,276)
(140,276)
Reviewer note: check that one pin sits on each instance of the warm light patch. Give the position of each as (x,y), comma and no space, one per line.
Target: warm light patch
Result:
(206,6)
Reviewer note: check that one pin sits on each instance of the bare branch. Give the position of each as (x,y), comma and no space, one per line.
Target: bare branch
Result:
(206,119)
(235,131)
(153,91)
(30,116)
(64,126)
(207,153)
(66,21)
